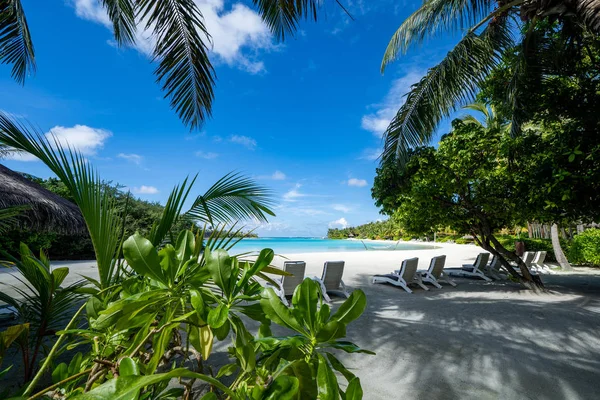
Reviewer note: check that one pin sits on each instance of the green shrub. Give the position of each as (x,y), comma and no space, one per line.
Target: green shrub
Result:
(585,248)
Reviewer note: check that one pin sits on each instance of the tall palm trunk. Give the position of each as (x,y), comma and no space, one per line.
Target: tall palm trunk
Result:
(558,251)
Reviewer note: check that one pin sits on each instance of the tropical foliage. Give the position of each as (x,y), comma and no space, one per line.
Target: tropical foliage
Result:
(585,248)
(178,33)
(491,30)
(389,229)
(156,313)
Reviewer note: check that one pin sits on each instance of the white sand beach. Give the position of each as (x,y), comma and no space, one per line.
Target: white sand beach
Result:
(476,341)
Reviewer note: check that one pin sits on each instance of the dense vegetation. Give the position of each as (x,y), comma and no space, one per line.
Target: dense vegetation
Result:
(585,248)
(139,215)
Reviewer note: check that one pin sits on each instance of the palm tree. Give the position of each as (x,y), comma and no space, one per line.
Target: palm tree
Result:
(492,28)
(181,43)
(490,121)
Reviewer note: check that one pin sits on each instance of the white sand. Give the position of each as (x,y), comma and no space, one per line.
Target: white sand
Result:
(477,341)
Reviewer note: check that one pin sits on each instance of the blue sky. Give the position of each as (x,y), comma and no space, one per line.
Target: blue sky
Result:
(304,118)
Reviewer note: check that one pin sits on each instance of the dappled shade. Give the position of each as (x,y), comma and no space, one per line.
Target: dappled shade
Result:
(46,210)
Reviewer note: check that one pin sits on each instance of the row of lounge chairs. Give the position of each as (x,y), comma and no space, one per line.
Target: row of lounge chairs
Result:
(330,281)
(408,274)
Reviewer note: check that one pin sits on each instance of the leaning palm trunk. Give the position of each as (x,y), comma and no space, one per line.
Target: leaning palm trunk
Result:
(558,251)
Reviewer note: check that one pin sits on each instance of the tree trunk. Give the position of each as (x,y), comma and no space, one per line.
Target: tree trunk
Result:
(558,251)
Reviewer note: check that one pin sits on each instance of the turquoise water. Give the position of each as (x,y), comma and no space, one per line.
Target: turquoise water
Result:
(282,245)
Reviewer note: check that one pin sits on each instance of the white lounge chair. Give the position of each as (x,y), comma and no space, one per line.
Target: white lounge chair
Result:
(476,270)
(406,275)
(331,280)
(435,274)
(538,263)
(287,284)
(494,269)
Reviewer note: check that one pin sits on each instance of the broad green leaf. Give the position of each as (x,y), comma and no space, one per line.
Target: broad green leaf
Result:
(142,256)
(354,390)
(59,275)
(206,341)
(60,372)
(338,366)
(10,335)
(349,347)
(305,300)
(227,370)
(274,271)
(331,331)
(323,315)
(185,245)
(126,387)
(168,262)
(308,385)
(209,396)
(222,332)
(198,303)
(218,264)
(352,308)
(277,312)
(218,315)
(326,381)
(93,307)
(284,387)
(75,364)
(128,367)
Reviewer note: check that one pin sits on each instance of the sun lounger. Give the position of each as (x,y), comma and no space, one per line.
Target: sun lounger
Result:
(331,280)
(406,275)
(538,263)
(435,274)
(494,269)
(288,284)
(475,270)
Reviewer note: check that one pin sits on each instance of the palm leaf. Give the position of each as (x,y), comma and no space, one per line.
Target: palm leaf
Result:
(184,69)
(16,47)
(433,17)
(233,197)
(283,16)
(96,204)
(122,16)
(453,81)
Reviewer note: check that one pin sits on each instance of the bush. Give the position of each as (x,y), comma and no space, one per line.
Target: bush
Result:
(585,248)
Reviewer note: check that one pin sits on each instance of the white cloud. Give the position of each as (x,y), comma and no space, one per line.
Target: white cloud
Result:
(134,158)
(341,207)
(85,139)
(145,190)
(207,155)
(294,193)
(238,33)
(245,141)
(370,154)
(378,121)
(82,138)
(21,156)
(278,176)
(357,182)
(339,223)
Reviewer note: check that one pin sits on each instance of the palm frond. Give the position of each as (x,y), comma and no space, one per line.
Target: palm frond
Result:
(96,205)
(432,18)
(283,16)
(122,16)
(452,82)
(16,47)
(184,69)
(171,213)
(233,197)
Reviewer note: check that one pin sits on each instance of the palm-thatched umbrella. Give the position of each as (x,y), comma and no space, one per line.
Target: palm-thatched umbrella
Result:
(45,210)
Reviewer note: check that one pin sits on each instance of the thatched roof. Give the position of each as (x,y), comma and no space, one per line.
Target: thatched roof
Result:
(47,211)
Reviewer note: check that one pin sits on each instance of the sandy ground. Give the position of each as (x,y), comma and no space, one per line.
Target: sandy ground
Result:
(476,341)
